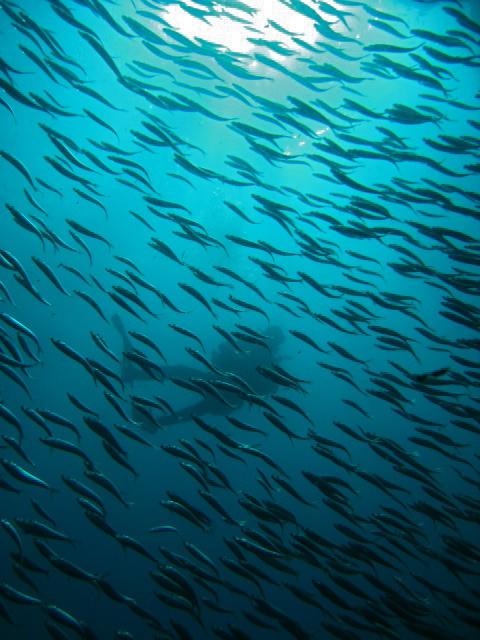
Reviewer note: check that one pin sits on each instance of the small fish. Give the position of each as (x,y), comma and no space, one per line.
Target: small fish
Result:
(431,376)
(198,296)
(50,274)
(14,535)
(79,228)
(19,166)
(186,332)
(68,447)
(21,474)
(147,341)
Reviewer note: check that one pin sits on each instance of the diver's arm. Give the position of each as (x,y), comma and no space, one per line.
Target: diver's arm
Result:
(200,408)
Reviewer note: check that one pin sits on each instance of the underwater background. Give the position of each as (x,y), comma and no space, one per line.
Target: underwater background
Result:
(239,251)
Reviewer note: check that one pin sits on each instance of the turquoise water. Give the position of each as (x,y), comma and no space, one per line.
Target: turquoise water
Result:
(308,171)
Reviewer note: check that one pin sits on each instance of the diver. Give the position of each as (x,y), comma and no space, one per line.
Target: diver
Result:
(236,376)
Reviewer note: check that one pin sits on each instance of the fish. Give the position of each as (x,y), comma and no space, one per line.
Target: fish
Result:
(89,233)
(50,274)
(430,376)
(19,166)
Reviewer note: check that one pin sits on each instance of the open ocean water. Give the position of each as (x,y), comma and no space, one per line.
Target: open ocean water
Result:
(239,319)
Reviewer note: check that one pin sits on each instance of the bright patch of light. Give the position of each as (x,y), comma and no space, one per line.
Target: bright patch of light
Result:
(223,29)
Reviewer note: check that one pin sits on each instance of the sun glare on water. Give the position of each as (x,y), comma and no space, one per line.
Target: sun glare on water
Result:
(234,29)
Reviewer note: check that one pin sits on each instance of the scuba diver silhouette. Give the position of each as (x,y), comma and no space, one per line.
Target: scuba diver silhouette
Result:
(239,368)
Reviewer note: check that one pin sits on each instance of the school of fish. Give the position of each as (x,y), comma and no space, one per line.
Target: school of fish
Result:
(161,190)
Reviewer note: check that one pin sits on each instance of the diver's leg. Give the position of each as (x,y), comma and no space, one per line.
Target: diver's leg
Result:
(128,371)
(118,324)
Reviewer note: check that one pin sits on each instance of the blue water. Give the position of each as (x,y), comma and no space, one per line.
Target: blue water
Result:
(198,111)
